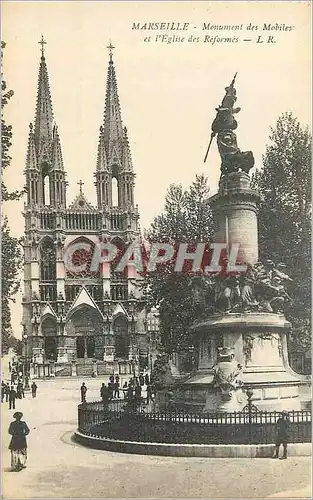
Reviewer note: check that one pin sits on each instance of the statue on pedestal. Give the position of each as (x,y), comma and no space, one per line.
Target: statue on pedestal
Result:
(223,126)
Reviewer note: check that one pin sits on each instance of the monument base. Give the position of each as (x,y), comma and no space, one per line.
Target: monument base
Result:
(259,363)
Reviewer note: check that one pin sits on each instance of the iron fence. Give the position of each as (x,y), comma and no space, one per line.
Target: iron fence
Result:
(132,422)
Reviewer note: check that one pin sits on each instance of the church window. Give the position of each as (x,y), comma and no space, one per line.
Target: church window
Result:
(114,192)
(47,261)
(83,257)
(46,188)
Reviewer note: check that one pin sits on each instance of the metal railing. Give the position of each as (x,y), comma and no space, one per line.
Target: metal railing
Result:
(131,421)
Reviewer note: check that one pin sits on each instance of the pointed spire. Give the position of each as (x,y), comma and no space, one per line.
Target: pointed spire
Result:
(127,160)
(31,159)
(112,126)
(56,156)
(102,163)
(44,111)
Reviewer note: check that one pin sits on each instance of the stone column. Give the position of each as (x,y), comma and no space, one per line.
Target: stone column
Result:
(235,214)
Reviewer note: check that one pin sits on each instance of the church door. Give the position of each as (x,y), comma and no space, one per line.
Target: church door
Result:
(121,337)
(49,332)
(50,349)
(90,347)
(80,347)
(85,325)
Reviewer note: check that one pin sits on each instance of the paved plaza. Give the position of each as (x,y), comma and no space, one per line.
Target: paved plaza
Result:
(57,467)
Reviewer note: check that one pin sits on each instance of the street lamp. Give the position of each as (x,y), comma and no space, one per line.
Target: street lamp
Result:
(25,362)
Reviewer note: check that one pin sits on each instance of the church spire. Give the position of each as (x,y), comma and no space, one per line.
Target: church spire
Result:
(112,125)
(114,171)
(47,186)
(44,112)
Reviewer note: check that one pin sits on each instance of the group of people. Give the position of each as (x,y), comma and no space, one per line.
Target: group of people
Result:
(11,392)
(131,390)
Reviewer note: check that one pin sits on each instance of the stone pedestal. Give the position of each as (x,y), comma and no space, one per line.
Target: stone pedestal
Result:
(260,347)
(235,215)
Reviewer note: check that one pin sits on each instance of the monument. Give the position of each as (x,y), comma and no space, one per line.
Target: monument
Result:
(243,344)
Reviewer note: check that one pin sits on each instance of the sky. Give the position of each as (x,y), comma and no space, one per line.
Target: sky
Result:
(168,91)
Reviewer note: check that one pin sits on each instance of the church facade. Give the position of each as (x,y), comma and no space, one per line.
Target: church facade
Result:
(93,321)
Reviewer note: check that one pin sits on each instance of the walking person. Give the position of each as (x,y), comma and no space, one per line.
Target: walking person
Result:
(34,389)
(149,393)
(104,393)
(20,390)
(111,389)
(282,427)
(138,394)
(83,391)
(7,392)
(3,390)
(117,387)
(12,397)
(147,380)
(18,445)
(141,379)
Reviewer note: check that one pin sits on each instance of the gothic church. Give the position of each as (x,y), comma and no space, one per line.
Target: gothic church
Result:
(93,322)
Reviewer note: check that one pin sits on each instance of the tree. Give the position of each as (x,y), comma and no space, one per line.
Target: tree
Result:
(10,246)
(186,218)
(284,184)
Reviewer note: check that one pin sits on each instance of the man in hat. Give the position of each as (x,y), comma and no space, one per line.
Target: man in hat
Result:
(18,444)
(282,425)
(12,397)
(104,393)
(83,391)
(34,389)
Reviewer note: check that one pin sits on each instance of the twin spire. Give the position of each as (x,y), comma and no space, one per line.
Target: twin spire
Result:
(44,147)
(113,149)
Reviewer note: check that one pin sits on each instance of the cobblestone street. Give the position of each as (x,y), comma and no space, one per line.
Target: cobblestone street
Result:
(57,467)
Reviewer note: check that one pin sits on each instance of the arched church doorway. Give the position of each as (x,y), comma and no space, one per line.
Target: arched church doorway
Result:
(49,332)
(85,324)
(121,337)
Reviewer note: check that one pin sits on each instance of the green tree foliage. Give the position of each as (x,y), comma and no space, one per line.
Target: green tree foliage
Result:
(284,184)
(186,218)
(11,255)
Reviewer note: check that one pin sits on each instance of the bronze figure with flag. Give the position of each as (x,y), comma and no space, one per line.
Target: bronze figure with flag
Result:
(223,126)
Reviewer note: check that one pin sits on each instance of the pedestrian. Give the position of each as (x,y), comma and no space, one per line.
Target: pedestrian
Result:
(282,427)
(12,397)
(83,391)
(18,444)
(3,390)
(141,379)
(34,389)
(117,387)
(7,392)
(111,389)
(147,381)
(13,376)
(20,390)
(138,393)
(149,393)
(104,393)
(111,379)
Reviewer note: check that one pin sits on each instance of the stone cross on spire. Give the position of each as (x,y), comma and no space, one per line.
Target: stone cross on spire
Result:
(80,183)
(42,43)
(110,47)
